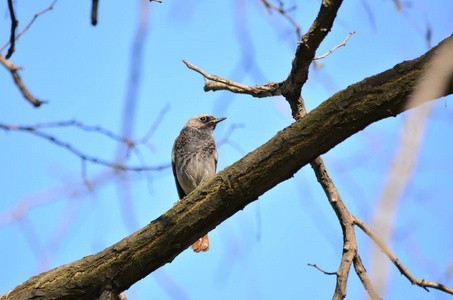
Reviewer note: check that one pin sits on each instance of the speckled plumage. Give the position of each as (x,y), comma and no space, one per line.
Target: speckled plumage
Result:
(194,159)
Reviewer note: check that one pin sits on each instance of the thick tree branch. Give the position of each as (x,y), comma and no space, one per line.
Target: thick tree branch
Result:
(121,265)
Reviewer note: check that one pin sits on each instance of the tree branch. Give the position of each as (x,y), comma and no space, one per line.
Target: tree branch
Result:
(305,53)
(325,272)
(284,13)
(94,12)
(347,226)
(335,48)
(381,244)
(306,50)
(121,265)
(14,23)
(84,157)
(18,81)
(363,276)
(28,26)
(219,83)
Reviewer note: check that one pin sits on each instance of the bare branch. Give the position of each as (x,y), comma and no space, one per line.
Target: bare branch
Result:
(94,12)
(325,272)
(80,154)
(381,244)
(282,11)
(30,23)
(13,68)
(14,23)
(336,47)
(305,52)
(435,80)
(17,79)
(363,276)
(219,83)
(154,126)
(344,217)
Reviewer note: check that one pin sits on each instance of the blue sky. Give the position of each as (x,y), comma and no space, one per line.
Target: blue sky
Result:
(261,252)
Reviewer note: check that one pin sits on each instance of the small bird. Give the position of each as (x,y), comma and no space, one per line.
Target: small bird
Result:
(194,159)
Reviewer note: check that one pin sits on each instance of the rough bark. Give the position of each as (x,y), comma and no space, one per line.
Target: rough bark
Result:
(118,267)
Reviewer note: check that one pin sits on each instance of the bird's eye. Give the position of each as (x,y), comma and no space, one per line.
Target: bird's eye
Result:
(204,119)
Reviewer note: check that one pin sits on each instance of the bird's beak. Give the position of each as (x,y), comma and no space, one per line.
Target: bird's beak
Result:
(218,120)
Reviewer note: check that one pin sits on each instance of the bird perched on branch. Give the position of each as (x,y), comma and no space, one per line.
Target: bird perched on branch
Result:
(194,159)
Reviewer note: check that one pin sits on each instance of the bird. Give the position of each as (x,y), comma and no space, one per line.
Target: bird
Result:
(194,160)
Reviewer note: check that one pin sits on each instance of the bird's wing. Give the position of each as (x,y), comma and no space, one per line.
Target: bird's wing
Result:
(215,158)
(181,192)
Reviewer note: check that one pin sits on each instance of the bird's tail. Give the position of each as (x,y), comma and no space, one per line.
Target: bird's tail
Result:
(201,245)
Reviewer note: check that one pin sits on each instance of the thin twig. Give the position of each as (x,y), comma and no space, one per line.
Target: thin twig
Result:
(13,68)
(14,23)
(282,11)
(404,271)
(30,23)
(325,272)
(155,124)
(336,47)
(80,125)
(80,154)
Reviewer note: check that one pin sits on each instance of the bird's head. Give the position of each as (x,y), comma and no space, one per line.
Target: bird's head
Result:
(204,121)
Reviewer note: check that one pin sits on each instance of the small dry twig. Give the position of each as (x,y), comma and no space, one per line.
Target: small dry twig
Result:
(336,47)
(325,272)
(282,11)
(29,24)
(84,157)
(219,83)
